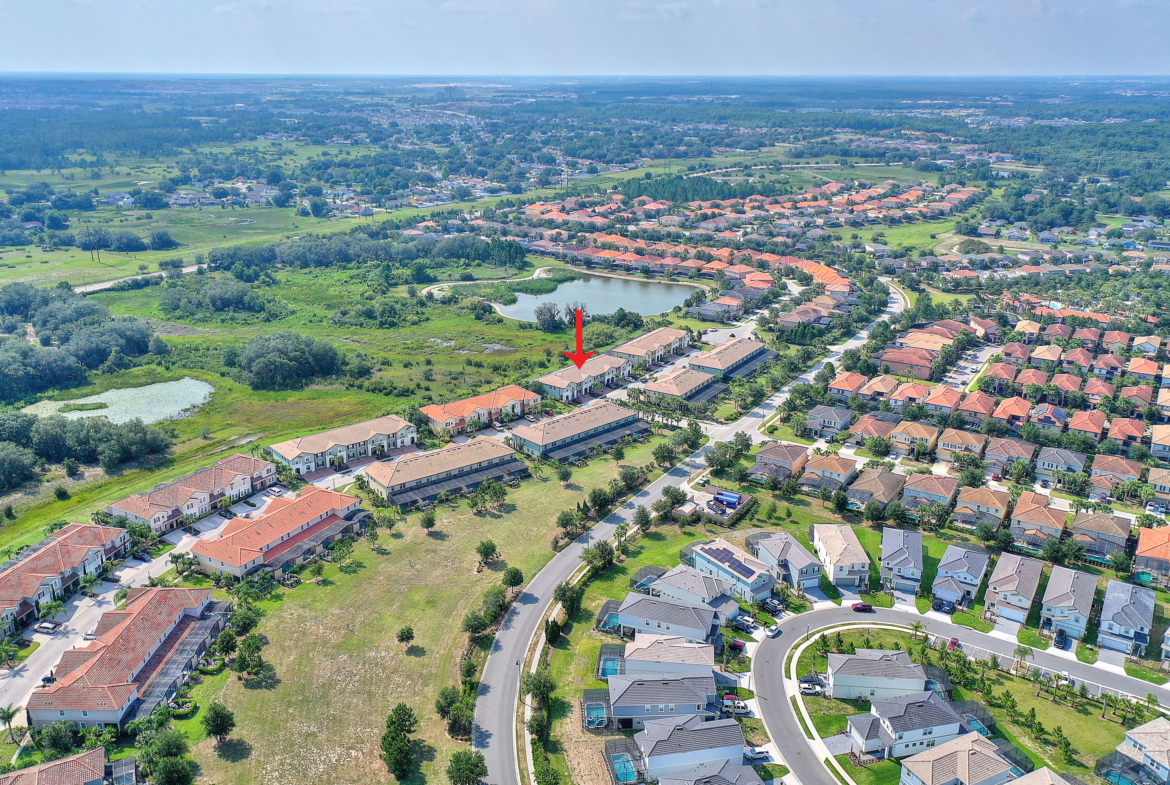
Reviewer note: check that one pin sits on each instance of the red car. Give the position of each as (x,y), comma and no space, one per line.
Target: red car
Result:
(736,645)
(996,477)
(862,607)
(954,644)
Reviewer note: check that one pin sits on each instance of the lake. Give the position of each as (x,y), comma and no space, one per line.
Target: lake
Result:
(153,402)
(603,295)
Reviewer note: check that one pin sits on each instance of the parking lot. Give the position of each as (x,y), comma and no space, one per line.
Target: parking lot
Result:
(968,367)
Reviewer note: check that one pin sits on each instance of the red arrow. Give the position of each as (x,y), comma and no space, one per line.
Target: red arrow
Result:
(581,355)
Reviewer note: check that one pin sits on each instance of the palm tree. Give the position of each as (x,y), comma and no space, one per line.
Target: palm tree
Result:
(7,715)
(50,610)
(915,628)
(1152,701)
(1021,653)
(88,581)
(8,652)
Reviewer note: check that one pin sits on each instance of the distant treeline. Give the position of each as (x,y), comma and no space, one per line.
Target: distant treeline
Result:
(699,189)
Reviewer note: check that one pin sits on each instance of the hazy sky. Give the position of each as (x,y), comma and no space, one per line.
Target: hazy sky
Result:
(594,37)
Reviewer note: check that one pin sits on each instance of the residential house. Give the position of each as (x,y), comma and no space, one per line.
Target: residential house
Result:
(879,424)
(1147,748)
(985,329)
(1102,534)
(845,562)
(1034,522)
(976,408)
(170,505)
(827,471)
(598,372)
(1068,601)
(873,674)
(678,744)
(969,759)
(1107,366)
(1160,480)
(1029,329)
(1046,354)
(1143,369)
(1148,345)
(53,568)
(906,437)
(1153,552)
(908,394)
(1001,453)
(925,490)
(685,385)
(896,727)
(916,363)
(635,699)
(650,655)
(1002,373)
(1164,403)
(878,389)
(1109,471)
(780,459)
(1127,431)
(1066,383)
(1078,359)
(1091,423)
(508,402)
(1117,341)
(737,358)
(1048,417)
(902,563)
(846,385)
(750,578)
(291,531)
(84,768)
(1011,589)
(324,450)
(960,572)
(1160,442)
(1127,615)
(1088,336)
(828,421)
(139,657)
(654,347)
(1140,395)
(1016,354)
(1013,412)
(875,485)
(1096,389)
(954,441)
(1029,377)
(789,560)
(1056,459)
(696,587)
(569,436)
(981,505)
(455,469)
(942,399)
(640,613)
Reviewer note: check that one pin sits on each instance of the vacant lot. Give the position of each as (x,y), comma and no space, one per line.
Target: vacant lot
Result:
(337,670)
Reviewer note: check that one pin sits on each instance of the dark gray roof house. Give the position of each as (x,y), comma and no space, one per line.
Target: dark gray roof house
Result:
(663,616)
(1126,618)
(688,585)
(724,773)
(960,571)
(901,558)
(681,735)
(635,699)
(790,561)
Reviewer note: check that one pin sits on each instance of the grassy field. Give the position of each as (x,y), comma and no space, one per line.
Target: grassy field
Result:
(317,716)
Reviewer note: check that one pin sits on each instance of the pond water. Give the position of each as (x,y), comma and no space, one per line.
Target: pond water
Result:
(603,295)
(153,403)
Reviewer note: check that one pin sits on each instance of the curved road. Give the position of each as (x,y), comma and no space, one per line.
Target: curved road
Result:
(494,732)
(772,690)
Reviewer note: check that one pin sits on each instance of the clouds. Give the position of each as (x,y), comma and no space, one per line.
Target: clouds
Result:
(643,37)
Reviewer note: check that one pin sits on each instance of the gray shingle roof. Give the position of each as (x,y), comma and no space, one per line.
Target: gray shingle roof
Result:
(916,711)
(881,663)
(1016,573)
(691,580)
(668,611)
(1128,605)
(1061,456)
(642,691)
(902,548)
(786,548)
(1071,588)
(717,773)
(674,735)
(831,414)
(958,559)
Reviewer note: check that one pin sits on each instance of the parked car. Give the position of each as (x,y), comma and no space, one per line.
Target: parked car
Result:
(737,645)
(755,753)
(862,607)
(936,605)
(90,635)
(1045,484)
(734,704)
(953,644)
(772,607)
(773,630)
(743,624)
(142,556)
(47,627)
(811,680)
(227,514)
(948,607)
(530,418)
(811,689)
(996,476)
(1061,638)
(499,426)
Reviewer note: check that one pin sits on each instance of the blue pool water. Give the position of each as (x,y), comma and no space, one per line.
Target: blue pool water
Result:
(610,666)
(623,767)
(594,715)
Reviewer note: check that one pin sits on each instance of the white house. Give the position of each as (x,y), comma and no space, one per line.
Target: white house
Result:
(750,578)
(1012,586)
(960,572)
(896,727)
(845,562)
(874,674)
(1068,600)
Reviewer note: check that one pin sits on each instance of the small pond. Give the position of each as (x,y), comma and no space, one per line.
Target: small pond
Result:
(603,295)
(153,403)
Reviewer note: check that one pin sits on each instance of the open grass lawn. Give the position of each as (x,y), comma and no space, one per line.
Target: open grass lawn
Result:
(783,432)
(917,234)
(947,297)
(1146,673)
(336,671)
(886,772)
(879,638)
(829,715)
(770,771)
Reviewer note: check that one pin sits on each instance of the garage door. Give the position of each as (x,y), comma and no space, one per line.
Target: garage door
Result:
(1011,613)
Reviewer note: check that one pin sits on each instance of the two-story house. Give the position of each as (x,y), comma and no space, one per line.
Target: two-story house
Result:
(830,471)
(953,441)
(969,759)
(981,505)
(901,559)
(684,583)
(873,674)
(1127,615)
(926,490)
(828,421)
(1011,589)
(750,578)
(639,613)
(1013,412)
(960,571)
(880,486)
(1147,748)
(1034,522)
(896,727)
(779,459)
(789,560)
(1001,453)
(635,699)
(1054,459)
(1068,601)
(976,408)
(844,561)
(1102,534)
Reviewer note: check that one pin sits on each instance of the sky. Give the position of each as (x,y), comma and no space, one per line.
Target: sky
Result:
(588,37)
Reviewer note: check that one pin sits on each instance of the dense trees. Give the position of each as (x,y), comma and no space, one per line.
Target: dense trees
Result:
(286,360)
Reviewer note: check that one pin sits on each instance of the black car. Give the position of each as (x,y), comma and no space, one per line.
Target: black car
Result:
(142,556)
(1061,639)
(812,680)
(773,607)
(227,514)
(936,605)
(948,607)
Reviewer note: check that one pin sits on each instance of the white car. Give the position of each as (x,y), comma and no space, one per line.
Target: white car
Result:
(811,689)
(90,635)
(773,630)
(755,753)
(47,627)
(530,418)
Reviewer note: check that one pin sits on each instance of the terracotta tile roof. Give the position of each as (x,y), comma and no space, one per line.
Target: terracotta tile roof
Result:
(978,402)
(1115,464)
(1078,356)
(243,539)
(1004,371)
(1010,448)
(1143,366)
(934,484)
(1033,508)
(495,400)
(848,382)
(986,497)
(64,554)
(879,385)
(1032,376)
(1154,543)
(943,395)
(1067,382)
(218,476)
(869,425)
(88,766)
(1098,386)
(963,438)
(1092,421)
(349,434)
(916,430)
(105,673)
(1124,428)
(830,463)
(1009,407)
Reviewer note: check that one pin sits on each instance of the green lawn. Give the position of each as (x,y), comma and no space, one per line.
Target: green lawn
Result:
(1146,673)
(829,715)
(886,772)
(332,645)
(783,432)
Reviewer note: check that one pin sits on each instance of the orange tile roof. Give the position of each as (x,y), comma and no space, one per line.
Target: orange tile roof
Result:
(943,395)
(64,554)
(88,766)
(1015,406)
(850,382)
(978,401)
(495,400)
(1090,422)
(1154,543)
(1122,428)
